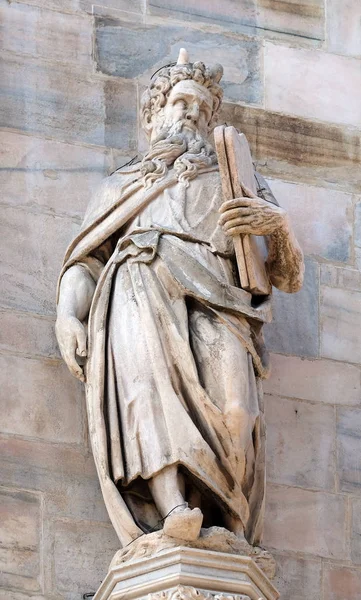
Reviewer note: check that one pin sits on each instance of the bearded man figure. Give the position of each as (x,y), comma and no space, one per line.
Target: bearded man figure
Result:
(175,356)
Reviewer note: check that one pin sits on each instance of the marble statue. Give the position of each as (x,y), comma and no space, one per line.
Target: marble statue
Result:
(152,318)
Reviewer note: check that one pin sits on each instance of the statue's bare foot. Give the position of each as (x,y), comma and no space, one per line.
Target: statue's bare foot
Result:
(184,523)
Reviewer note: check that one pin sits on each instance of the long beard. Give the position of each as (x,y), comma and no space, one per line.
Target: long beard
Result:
(188,151)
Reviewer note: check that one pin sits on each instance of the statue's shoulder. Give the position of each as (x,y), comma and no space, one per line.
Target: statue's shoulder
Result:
(109,191)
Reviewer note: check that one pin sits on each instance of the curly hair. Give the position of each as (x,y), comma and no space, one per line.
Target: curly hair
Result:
(155,96)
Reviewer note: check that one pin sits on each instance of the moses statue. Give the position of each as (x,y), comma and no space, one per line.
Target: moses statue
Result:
(152,317)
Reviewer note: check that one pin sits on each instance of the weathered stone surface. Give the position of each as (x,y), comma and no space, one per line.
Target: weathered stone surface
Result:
(347,279)
(46,34)
(132,50)
(213,539)
(343,27)
(57,176)
(312,77)
(32,258)
(303,521)
(340,324)
(357,234)
(300,443)
(349,449)
(242,12)
(40,400)
(300,18)
(356,531)
(82,553)
(88,6)
(6,594)
(316,380)
(321,218)
(40,335)
(66,477)
(295,318)
(20,532)
(298,579)
(341,583)
(66,104)
(289,17)
(297,149)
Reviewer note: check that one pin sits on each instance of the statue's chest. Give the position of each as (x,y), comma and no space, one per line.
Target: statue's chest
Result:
(191,209)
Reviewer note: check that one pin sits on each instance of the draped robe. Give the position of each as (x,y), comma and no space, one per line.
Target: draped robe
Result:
(175,350)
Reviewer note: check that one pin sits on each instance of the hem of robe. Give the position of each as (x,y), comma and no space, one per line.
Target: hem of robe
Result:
(238,506)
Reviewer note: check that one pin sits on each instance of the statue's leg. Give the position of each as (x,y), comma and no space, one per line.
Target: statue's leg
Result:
(226,371)
(180,521)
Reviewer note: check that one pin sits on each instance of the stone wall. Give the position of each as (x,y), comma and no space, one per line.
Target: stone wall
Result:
(71,75)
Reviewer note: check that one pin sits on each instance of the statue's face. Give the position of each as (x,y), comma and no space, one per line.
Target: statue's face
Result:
(188,101)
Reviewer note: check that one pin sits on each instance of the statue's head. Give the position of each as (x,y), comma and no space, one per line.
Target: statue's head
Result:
(184,92)
(178,111)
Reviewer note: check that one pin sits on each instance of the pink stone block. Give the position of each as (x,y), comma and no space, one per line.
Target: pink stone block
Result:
(342,583)
(305,521)
(316,380)
(20,533)
(300,443)
(41,400)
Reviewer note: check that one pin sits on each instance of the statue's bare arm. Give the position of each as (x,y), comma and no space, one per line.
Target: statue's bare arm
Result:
(285,259)
(75,297)
(253,215)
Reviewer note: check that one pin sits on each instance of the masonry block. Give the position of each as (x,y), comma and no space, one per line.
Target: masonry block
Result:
(79,566)
(295,318)
(321,218)
(316,380)
(20,532)
(49,174)
(341,583)
(40,33)
(349,449)
(33,246)
(297,578)
(333,276)
(135,7)
(298,149)
(41,400)
(340,313)
(155,45)
(40,337)
(300,443)
(313,77)
(356,531)
(343,27)
(65,475)
(291,17)
(306,521)
(65,103)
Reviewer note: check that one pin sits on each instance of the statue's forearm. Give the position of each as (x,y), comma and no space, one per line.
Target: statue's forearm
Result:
(76,293)
(285,260)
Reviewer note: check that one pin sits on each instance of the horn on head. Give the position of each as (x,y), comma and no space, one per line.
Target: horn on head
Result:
(183,58)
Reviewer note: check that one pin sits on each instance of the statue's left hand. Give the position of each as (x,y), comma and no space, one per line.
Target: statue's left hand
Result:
(251,216)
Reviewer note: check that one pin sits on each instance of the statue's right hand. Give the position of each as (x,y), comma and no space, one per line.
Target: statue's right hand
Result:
(72,340)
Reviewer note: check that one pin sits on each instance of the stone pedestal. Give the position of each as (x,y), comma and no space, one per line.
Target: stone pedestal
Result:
(187,573)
